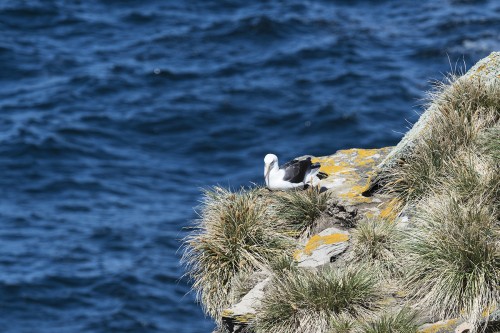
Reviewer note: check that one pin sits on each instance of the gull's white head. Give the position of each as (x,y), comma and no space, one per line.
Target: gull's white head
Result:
(270,158)
(270,162)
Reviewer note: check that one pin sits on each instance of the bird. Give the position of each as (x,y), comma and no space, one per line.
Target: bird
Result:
(296,174)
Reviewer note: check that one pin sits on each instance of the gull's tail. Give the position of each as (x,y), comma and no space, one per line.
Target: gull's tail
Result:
(314,176)
(322,175)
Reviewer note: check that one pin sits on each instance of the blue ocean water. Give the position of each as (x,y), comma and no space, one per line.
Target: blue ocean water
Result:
(113,114)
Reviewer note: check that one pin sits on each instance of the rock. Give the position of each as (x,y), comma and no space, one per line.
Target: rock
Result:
(349,173)
(321,248)
(236,318)
(487,70)
(346,216)
(443,326)
(461,326)
(349,181)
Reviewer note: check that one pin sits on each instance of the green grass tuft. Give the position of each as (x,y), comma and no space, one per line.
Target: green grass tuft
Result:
(235,235)
(299,209)
(305,301)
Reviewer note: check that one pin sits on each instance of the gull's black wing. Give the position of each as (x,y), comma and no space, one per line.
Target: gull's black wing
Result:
(296,170)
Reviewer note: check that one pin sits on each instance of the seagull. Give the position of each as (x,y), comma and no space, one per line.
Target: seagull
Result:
(291,175)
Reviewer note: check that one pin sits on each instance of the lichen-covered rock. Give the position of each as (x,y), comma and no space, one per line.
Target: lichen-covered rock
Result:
(349,173)
(321,248)
(491,319)
(443,326)
(237,317)
(487,70)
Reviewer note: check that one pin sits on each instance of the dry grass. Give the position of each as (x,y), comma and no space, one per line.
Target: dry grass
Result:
(452,251)
(403,320)
(374,242)
(490,141)
(299,209)
(466,110)
(235,236)
(452,256)
(304,301)
(343,323)
(282,264)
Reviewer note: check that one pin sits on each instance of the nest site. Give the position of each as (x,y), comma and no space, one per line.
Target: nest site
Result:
(435,257)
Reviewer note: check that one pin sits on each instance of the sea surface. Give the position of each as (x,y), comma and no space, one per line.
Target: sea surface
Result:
(114,114)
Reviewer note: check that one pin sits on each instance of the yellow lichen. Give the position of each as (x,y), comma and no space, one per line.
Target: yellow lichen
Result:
(331,166)
(317,240)
(480,68)
(439,326)
(355,158)
(330,169)
(227,313)
(361,153)
(488,310)
(244,318)
(362,156)
(350,171)
(390,210)
(355,193)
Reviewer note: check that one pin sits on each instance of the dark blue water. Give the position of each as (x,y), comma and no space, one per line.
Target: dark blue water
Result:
(113,114)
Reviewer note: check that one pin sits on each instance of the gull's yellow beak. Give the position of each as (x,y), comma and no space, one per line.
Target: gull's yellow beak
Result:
(267,169)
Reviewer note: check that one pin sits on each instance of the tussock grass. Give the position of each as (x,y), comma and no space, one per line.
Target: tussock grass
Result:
(304,301)
(282,264)
(452,256)
(343,323)
(491,143)
(465,110)
(470,175)
(235,235)
(404,320)
(374,243)
(301,208)
(451,252)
